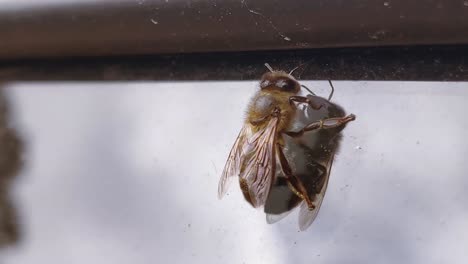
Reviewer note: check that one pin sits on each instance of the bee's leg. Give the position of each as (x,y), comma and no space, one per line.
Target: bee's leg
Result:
(305,100)
(322,124)
(294,183)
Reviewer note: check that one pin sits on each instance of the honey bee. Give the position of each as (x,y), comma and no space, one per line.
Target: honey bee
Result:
(302,141)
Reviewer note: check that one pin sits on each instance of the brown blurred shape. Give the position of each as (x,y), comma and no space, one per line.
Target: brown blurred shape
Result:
(10,164)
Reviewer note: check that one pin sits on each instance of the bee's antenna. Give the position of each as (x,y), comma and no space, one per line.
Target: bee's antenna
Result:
(305,87)
(294,69)
(332,90)
(269,67)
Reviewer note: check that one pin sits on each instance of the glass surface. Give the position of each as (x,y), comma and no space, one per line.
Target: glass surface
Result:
(128,173)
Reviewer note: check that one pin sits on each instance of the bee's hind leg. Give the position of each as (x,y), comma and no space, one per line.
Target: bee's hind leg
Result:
(294,183)
(322,124)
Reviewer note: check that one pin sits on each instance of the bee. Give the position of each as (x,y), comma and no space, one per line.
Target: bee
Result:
(276,126)
(311,158)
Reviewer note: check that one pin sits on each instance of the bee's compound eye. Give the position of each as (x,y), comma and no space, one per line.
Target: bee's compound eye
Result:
(264,84)
(280,83)
(286,84)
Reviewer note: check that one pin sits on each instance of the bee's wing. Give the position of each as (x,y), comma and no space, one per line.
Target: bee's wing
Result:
(273,218)
(234,161)
(258,168)
(306,216)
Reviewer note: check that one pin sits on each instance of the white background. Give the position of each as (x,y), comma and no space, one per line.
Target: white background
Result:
(128,173)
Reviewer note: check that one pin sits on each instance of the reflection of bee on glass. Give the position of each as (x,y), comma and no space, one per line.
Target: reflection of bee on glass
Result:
(301,139)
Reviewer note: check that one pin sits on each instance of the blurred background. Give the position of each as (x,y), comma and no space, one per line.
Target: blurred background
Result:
(125,171)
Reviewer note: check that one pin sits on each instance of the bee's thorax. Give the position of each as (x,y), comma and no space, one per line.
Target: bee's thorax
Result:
(266,104)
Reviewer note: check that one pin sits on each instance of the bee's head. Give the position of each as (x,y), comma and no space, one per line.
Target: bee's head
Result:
(280,81)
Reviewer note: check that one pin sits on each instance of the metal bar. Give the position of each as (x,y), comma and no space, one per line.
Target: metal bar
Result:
(50,28)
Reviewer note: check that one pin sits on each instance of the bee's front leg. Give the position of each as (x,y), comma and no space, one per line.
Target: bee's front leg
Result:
(305,100)
(322,124)
(294,183)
